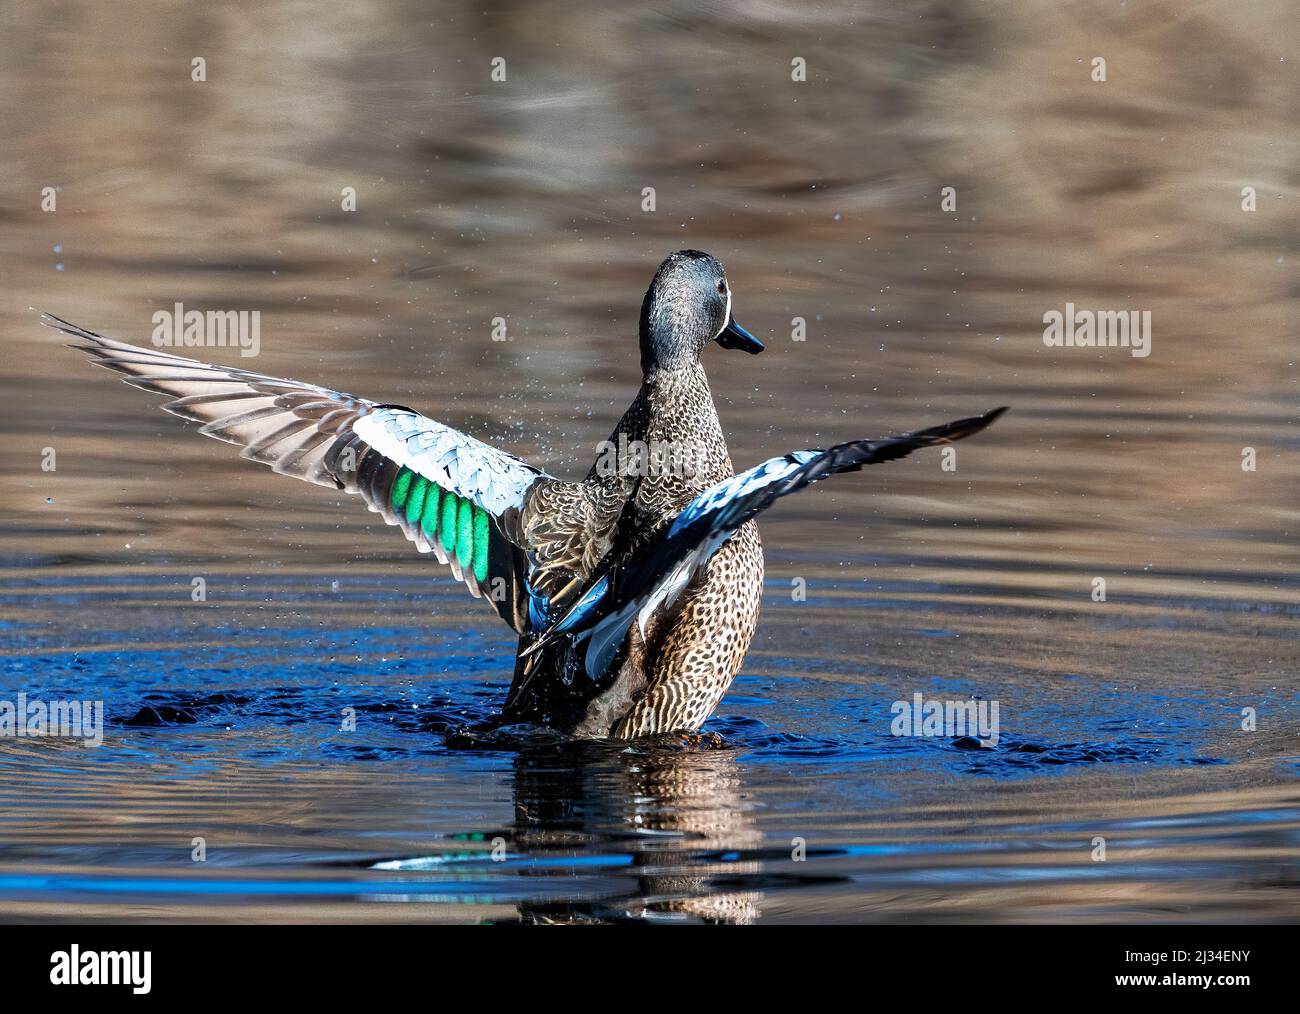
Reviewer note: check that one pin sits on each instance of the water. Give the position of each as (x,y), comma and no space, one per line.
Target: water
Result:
(1120,720)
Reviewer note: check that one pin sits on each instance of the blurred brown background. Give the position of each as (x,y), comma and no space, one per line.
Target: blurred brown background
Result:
(522,199)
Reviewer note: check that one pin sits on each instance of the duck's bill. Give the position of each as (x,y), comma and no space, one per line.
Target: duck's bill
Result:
(734,336)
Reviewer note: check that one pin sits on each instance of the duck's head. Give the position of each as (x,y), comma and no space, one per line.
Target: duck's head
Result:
(687,306)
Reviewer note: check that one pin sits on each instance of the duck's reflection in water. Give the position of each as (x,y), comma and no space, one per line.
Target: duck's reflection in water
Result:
(676,810)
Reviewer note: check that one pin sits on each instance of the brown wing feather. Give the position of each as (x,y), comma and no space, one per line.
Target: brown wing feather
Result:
(286,424)
(306,431)
(568,528)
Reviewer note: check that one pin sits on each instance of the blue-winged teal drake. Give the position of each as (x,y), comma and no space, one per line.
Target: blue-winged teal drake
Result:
(634,592)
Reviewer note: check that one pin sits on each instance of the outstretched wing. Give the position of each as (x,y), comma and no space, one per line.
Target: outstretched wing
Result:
(636,587)
(451,495)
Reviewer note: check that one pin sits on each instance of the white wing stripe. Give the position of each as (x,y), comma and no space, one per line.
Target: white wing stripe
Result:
(494,480)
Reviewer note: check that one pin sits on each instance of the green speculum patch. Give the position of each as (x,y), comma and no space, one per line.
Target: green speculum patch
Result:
(448,522)
(415,500)
(401,487)
(429,520)
(462,526)
(480,544)
(465,534)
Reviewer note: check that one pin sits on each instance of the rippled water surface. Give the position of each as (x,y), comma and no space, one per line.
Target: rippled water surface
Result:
(1120,720)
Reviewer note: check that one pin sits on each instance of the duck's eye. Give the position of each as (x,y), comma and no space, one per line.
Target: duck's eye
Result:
(722,287)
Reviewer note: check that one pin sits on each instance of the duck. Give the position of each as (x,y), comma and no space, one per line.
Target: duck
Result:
(635,592)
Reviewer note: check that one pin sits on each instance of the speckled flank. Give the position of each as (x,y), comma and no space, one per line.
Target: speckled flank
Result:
(701,645)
